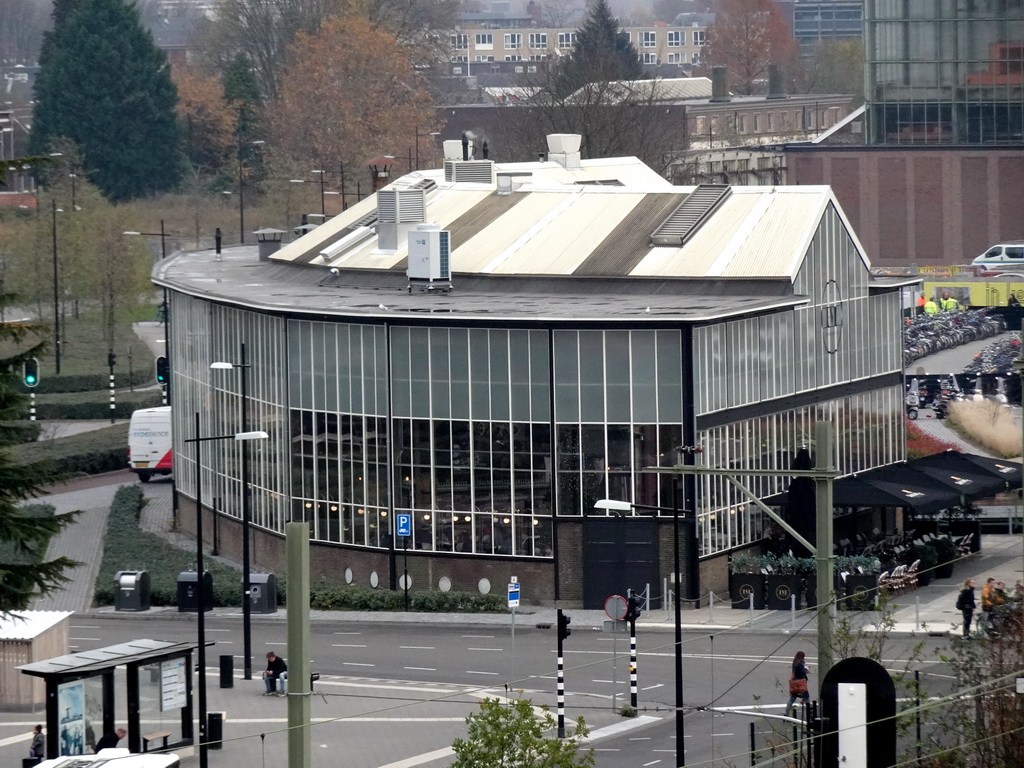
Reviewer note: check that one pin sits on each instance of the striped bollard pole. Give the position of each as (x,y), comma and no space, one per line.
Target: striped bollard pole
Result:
(32,405)
(163,395)
(632,664)
(561,693)
(113,405)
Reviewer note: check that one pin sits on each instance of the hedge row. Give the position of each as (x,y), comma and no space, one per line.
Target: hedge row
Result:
(128,548)
(18,432)
(90,453)
(97,406)
(351,598)
(88,382)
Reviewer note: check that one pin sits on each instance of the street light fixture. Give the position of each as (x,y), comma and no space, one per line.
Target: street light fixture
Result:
(201,596)
(243,366)
(613,505)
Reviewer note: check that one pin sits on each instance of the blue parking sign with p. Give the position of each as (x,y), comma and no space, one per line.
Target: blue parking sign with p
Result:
(403,524)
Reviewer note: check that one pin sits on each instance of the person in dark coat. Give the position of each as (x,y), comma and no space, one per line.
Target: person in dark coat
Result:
(798,685)
(37,748)
(110,740)
(966,604)
(275,669)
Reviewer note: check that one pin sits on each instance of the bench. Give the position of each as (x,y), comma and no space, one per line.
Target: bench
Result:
(148,737)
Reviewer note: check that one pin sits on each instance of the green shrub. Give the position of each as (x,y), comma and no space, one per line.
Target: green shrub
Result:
(93,452)
(96,405)
(129,549)
(945,549)
(89,382)
(18,432)
(333,597)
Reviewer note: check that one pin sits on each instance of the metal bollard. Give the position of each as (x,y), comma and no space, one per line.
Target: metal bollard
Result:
(792,612)
(215,729)
(917,613)
(750,599)
(227,671)
(711,606)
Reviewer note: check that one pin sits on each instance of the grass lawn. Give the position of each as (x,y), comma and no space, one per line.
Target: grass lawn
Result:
(84,350)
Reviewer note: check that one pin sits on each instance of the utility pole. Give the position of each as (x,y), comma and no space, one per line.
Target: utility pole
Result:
(825,559)
(299,683)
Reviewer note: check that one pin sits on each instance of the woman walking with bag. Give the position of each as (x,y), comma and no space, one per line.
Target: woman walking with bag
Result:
(798,682)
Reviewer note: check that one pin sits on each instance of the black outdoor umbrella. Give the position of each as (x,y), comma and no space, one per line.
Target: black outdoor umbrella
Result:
(801,503)
(1006,472)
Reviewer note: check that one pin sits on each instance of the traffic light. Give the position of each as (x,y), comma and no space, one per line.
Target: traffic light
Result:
(163,370)
(632,608)
(563,625)
(30,372)
(111,359)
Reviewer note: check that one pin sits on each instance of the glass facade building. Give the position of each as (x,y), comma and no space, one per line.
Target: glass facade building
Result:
(945,71)
(497,417)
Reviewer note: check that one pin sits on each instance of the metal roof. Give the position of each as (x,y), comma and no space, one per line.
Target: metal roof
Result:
(26,625)
(102,659)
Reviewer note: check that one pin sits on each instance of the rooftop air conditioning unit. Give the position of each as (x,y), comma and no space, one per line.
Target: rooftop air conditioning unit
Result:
(429,263)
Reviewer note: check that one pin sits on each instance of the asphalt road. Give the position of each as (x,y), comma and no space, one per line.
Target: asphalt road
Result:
(440,672)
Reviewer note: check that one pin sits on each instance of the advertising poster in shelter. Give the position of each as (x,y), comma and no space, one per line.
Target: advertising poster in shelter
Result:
(71,717)
(173,689)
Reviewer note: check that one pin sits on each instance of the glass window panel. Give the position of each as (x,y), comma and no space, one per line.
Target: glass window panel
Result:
(440,376)
(458,344)
(592,376)
(566,358)
(643,370)
(400,380)
(540,373)
(419,368)
(479,370)
(519,374)
(670,377)
(618,372)
(499,382)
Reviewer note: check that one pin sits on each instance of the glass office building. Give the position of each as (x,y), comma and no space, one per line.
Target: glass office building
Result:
(945,71)
(498,413)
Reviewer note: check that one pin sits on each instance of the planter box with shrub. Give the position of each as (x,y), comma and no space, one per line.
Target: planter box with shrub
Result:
(742,586)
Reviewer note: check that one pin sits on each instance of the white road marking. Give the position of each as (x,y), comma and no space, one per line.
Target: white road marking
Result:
(473,672)
(485,649)
(356,664)
(343,645)
(639,738)
(653,762)
(348,633)
(418,647)
(426,757)
(422,669)
(477,637)
(602,681)
(652,687)
(220,630)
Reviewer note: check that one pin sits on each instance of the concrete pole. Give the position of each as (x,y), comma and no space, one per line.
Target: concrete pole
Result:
(299,709)
(824,449)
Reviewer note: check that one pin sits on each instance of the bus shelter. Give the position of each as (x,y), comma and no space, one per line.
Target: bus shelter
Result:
(82,696)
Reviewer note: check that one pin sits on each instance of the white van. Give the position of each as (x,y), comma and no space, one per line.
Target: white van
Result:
(114,758)
(1003,257)
(149,442)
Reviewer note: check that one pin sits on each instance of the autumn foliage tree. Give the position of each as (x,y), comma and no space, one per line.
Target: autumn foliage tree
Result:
(747,37)
(349,93)
(207,119)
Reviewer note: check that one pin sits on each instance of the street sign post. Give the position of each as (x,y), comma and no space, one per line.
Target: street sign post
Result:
(513,595)
(403,528)
(513,603)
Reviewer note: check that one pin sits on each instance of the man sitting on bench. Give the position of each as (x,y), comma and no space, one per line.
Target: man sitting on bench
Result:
(276,670)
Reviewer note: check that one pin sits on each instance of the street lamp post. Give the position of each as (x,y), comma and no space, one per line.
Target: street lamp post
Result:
(56,292)
(625,506)
(201,596)
(323,206)
(243,366)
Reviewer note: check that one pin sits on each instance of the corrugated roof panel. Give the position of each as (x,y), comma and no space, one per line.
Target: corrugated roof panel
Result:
(774,246)
(565,242)
(483,248)
(308,247)
(483,211)
(629,242)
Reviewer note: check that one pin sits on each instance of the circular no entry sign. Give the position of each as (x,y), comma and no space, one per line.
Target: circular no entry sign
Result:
(615,607)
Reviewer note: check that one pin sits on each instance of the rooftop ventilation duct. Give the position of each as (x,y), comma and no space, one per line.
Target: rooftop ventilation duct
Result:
(398,212)
(564,149)
(509,182)
(429,263)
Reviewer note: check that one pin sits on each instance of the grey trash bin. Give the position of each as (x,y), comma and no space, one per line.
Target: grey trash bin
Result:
(262,593)
(188,592)
(131,591)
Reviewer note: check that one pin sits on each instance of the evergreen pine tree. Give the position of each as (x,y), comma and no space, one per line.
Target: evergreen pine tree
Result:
(602,53)
(105,85)
(24,571)
(242,92)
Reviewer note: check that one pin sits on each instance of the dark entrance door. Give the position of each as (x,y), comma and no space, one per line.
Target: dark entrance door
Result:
(619,553)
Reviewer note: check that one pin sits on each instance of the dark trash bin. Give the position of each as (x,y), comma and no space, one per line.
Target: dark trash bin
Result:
(188,592)
(131,591)
(262,593)
(215,729)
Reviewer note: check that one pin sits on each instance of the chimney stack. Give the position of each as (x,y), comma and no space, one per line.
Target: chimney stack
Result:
(720,84)
(465,146)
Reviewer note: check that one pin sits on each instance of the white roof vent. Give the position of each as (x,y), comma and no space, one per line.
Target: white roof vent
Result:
(398,211)
(564,149)
(509,182)
(469,171)
(453,149)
